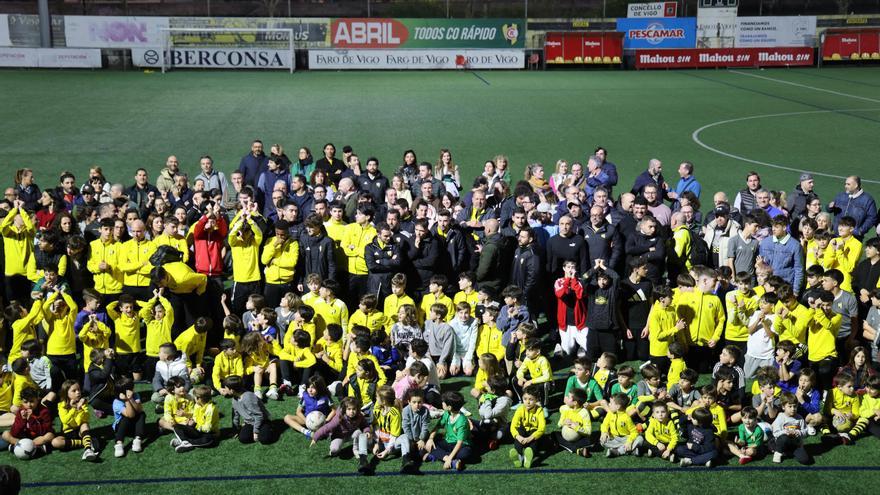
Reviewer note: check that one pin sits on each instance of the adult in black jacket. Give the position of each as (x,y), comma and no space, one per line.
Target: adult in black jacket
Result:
(384,259)
(603,240)
(799,198)
(423,251)
(647,243)
(491,268)
(453,254)
(567,245)
(372,181)
(316,251)
(526,270)
(330,164)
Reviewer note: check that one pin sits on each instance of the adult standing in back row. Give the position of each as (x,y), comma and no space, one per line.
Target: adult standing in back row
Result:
(330,164)
(855,202)
(687,182)
(253,164)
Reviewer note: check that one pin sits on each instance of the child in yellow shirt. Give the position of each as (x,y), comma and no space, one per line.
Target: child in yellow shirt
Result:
(489,336)
(618,432)
(527,427)
(202,428)
(73,413)
(178,404)
(295,358)
(661,436)
(228,362)
(434,296)
(574,424)
(367,315)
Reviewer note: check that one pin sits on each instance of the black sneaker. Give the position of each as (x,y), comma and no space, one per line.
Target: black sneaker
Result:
(363,465)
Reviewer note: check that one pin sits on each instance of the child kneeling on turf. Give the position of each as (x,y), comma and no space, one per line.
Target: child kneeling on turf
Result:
(455,447)
(699,446)
(201,430)
(73,412)
(619,434)
(249,416)
(349,423)
(574,424)
(527,427)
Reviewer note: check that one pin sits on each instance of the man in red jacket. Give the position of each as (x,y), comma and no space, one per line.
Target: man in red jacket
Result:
(32,421)
(571,311)
(209,235)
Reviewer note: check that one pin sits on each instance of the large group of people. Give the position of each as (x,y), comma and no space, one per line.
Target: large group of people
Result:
(361,293)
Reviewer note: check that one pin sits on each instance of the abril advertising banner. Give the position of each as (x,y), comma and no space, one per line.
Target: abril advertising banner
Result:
(658,33)
(427,33)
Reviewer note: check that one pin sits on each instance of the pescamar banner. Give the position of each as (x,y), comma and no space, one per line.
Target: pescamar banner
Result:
(427,33)
(416,59)
(775,31)
(658,33)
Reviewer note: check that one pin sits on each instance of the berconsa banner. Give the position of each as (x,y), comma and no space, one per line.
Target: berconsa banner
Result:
(427,33)
(642,33)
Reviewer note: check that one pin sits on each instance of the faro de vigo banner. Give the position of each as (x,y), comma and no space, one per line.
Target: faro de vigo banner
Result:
(416,59)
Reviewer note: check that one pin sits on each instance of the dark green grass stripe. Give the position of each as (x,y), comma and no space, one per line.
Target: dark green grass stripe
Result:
(780,97)
(813,73)
(294,476)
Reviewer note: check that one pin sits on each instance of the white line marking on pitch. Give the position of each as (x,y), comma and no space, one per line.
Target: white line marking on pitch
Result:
(696,138)
(838,93)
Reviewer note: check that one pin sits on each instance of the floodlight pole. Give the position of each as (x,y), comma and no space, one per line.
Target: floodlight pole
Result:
(45,24)
(368,8)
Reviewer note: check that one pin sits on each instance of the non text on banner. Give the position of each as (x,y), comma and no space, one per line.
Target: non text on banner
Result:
(724,57)
(775,31)
(113,32)
(307,32)
(653,9)
(4,30)
(658,33)
(214,58)
(416,59)
(69,58)
(427,33)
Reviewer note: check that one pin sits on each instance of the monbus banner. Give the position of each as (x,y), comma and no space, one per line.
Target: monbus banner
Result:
(427,33)
(307,32)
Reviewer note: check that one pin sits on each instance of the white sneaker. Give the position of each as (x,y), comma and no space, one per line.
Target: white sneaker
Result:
(466,413)
(174,443)
(137,445)
(272,394)
(89,455)
(259,394)
(777,457)
(557,351)
(302,391)
(811,431)
(184,447)
(685,462)
(119,450)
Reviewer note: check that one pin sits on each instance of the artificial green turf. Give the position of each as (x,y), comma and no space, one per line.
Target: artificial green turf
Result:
(123,120)
(68,120)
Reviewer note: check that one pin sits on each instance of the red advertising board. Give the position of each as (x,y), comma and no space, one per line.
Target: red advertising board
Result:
(584,47)
(851,44)
(723,57)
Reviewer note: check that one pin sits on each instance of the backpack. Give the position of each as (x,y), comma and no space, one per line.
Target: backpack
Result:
(700,252)
(165,254)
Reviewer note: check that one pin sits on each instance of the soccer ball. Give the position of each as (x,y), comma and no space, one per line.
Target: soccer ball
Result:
(315,420)
(24,449)
(570,434)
